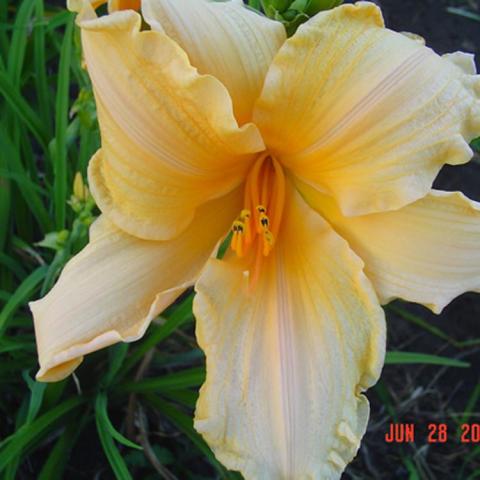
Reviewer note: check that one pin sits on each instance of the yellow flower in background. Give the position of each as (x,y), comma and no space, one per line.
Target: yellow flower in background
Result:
(319,153)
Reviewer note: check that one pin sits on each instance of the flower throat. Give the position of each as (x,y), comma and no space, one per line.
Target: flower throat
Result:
(259,222)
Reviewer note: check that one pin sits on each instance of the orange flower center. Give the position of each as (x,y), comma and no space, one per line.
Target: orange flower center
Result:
(258,224)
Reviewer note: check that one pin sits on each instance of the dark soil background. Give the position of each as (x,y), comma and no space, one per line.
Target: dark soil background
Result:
(429,394)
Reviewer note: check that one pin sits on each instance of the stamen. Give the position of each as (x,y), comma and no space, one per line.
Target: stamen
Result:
(264,221)
(265,197)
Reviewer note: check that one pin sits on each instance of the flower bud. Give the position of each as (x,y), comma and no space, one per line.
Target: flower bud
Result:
(315,6)
(80,190)
(278,5)
(62,237)
(293,13)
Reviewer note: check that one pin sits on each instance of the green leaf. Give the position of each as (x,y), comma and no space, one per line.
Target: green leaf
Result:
(8,344)
(56,462)
(58,20)
(41,82)
(22,109)
(61,122)
(470,408)
(185,424)
(5,202)
(23,292)
(117,355)
(464,13)
(104,429)
(475,144)
(181,314)
(37,390)
(187,398)
(255,4)
(54,392)
(384,396)
(412,469)
(16,54)
(4,43)
(419,321)
(36,430)
(13,265)
(174,381)
(138,459)
(26,187)
(400,358)
(101,409)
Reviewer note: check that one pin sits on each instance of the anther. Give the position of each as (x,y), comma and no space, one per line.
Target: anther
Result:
(238,226)
(257,226)
(245,214)
(268,241)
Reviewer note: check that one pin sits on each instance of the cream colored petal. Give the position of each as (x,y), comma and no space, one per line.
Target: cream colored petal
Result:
(170,141)
(225,39)
(287,361)
(466,61)
(366,114)
(113,288)
(415,37)
(427,252)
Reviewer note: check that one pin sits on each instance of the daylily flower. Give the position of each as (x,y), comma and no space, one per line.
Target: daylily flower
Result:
(319,153)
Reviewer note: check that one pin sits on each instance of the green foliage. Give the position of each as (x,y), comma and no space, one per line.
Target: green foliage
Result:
(49,131)
(292,13)
(108,434)
(464,13)
(401,358)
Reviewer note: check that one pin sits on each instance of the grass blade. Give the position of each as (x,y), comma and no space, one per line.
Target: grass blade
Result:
(13,265)
(185,424)
(14,444)
(5,192)
(402,358)
(23,110)
(57,460)
(37,390)
(101,407)
(21,295)
(420,322)
(18,44)
(113,455)
(41,82)
(174,381)
(117,354)
(4,44)
(470,408)
(61,123)
(181,315)
(464,13)
(26,188)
